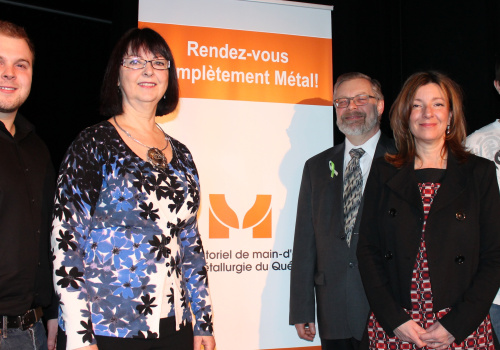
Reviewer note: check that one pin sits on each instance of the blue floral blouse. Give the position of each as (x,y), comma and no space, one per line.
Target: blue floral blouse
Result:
(125,241)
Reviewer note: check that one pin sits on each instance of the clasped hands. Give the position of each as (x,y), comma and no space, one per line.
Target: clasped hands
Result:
(434,337)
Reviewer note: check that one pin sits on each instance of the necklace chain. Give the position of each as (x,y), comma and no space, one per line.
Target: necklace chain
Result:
(154,155)
(139,142)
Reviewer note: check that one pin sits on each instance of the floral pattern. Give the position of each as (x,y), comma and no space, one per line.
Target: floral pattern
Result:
(125,241)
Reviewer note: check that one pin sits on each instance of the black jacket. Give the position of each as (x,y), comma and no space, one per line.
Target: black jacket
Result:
(462,238)
(323,265)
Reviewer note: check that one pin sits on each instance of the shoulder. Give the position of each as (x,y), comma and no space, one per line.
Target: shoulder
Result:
(179,146)
(99,135)
(320,163)
(102,129)
(487,130)
(325,155)
(387,144)
(383,167)
(477,164)
(92,142)
(34,142)
(182,153)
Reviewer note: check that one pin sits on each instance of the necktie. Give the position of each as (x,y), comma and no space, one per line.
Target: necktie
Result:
(353,190)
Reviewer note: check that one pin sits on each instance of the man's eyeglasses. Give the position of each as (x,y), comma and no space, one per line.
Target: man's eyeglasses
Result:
(359,100)
(139,63)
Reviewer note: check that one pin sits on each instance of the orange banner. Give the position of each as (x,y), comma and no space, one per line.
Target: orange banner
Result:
(242,65)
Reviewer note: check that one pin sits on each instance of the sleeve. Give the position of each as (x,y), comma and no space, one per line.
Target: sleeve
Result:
(195,275)
(302,298)
(467,315)
(193,264)
(78,187)
(50,310)
(370,253)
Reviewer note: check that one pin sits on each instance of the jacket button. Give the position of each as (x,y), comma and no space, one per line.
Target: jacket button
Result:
(342,237)
(388,255)
(460,216)
(351,265)
(460,259)
(392,212)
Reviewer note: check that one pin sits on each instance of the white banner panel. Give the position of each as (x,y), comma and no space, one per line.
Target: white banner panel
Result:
(256,102)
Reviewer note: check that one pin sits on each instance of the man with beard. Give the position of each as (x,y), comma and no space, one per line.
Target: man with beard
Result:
(329,208)
(26,195)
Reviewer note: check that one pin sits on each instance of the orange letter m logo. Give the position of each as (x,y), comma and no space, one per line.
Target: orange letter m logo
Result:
(222,217)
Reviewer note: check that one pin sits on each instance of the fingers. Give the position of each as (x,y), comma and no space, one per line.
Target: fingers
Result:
(306,331)
(197,343)
(437,337)
(410,331)
(51,334)
(208,342)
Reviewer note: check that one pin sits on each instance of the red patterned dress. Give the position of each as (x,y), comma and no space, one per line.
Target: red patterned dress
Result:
(421,297)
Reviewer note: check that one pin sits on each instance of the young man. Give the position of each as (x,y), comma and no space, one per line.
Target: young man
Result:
(26,196)
(329,207)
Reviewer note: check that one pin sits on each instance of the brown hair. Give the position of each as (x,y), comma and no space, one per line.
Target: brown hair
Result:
(400,116)
(14,31)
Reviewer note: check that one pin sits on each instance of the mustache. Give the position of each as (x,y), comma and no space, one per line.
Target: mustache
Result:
(353,114)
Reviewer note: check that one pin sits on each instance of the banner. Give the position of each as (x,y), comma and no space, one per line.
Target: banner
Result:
(256,102)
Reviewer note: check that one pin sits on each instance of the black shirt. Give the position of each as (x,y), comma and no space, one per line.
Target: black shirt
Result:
(27,183)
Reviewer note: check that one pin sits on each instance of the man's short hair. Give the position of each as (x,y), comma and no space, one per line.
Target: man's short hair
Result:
(377,88)
(14,31)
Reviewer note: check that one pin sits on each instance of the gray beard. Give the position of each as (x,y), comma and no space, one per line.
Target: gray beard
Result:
(357,129)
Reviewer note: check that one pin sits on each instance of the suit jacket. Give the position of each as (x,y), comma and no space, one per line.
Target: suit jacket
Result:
(323,265)
(462,236)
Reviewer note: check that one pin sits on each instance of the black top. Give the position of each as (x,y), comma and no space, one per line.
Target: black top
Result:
(430,175)
(27,183)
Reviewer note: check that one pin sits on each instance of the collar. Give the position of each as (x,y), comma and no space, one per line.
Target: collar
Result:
(454,181)
(23,128)
(369,147)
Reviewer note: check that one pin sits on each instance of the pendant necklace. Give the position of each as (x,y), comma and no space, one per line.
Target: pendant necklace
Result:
(154,155)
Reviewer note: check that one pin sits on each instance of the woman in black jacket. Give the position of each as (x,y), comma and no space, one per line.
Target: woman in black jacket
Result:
(429,246)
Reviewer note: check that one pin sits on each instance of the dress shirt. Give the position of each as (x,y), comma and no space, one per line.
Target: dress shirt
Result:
(27,182)
(365,162)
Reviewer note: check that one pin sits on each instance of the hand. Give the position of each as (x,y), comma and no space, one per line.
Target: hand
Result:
(410,332)
(437,337)
(207,341)
(52,334)
(88,347)
(306,331)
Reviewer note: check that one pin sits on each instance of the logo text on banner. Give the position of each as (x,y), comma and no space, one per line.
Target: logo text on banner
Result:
(242,65)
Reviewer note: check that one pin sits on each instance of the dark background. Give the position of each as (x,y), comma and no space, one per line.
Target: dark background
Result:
(386,39)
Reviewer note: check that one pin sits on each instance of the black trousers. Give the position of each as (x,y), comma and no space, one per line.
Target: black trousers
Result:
(169,339)
(339,344)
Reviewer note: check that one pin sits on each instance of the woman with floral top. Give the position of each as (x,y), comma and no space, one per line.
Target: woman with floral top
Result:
(128,260)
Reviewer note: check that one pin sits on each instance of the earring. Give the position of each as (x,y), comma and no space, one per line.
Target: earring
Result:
(448,129)
(165,97)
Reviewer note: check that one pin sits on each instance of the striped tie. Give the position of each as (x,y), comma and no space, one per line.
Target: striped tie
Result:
(353,190)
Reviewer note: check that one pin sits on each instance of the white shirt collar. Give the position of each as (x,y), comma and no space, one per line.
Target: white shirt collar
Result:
(369,147)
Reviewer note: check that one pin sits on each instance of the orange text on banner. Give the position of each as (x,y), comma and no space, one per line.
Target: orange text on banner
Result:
(228,64)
